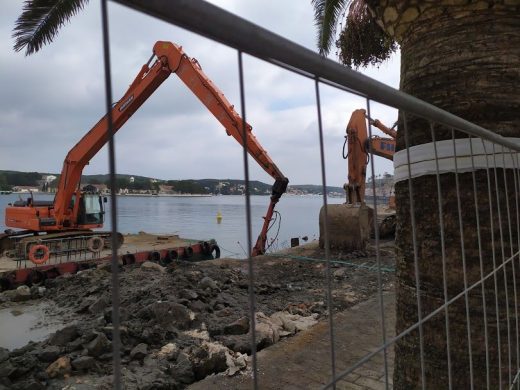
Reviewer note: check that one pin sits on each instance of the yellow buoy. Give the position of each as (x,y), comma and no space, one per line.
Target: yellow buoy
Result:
(219,217)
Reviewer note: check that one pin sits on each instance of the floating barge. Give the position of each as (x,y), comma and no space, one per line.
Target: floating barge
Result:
(137,248)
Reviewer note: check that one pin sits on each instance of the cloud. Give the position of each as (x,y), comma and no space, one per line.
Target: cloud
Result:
(49,100)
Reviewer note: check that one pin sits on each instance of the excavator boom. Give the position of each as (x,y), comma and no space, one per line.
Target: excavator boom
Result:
(169,58)
(382,147)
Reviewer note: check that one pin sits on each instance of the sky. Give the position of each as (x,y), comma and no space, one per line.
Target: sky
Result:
(51,99)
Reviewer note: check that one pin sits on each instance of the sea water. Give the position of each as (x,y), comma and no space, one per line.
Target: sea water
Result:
(196,218)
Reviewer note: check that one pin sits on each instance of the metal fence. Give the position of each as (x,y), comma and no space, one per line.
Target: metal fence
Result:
(455,322)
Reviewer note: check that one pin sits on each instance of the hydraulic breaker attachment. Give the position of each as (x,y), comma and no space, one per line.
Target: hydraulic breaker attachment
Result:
(278,189)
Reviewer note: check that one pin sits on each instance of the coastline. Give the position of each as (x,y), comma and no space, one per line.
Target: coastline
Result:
(168,195)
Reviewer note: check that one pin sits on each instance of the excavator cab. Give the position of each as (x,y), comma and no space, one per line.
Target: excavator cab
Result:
(90,211)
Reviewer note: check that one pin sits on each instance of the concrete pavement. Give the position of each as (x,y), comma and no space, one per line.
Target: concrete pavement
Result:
(304,361)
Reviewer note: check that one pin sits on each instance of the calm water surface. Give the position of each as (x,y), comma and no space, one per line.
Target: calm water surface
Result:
(195,217)
(24,323)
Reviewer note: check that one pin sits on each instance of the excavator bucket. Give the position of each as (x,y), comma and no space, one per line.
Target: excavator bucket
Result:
(349,226)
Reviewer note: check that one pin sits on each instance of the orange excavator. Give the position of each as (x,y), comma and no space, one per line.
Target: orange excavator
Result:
(74,211)
(350,224)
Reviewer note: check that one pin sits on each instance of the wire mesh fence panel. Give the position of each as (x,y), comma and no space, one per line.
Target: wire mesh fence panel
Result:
(437,309)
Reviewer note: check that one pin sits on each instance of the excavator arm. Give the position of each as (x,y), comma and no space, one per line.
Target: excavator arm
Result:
(190,72)
(349,225)
(377,123)
(382,147)
(169,58)
(359,147)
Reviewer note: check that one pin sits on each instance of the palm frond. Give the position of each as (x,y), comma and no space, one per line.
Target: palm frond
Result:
(363,42)
(326,15)
(41,21)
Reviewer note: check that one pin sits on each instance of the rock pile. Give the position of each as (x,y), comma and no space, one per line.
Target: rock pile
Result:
(179,323)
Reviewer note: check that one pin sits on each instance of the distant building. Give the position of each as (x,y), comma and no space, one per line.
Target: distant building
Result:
(25,189)
(165,189)
(49,178)
(101,188)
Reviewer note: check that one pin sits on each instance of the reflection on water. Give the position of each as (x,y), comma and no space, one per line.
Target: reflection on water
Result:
(22,324)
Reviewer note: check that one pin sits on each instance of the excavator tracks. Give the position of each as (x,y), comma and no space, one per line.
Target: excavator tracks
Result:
(168,251)
(56,247)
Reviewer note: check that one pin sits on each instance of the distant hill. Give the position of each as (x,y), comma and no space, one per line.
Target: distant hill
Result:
(234,186)
(9,179)
(316,189)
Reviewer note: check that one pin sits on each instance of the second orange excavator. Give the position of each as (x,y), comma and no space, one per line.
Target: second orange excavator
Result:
(350,224)
(75,212)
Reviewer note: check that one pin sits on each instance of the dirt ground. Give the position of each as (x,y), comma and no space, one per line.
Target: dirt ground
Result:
(186,321)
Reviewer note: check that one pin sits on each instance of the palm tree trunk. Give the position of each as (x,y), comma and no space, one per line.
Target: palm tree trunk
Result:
(466,60)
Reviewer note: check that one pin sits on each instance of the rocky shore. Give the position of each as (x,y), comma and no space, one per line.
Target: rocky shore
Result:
(183,322)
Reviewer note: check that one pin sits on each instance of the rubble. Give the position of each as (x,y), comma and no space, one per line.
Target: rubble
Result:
(267,333)
(149,266)
(99,345)
(61,367)
(240,326)
(168,352)
(64,335)
(49,354)
(83,363)
(139,351)
(99,305)
(179,323)
(23,293)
